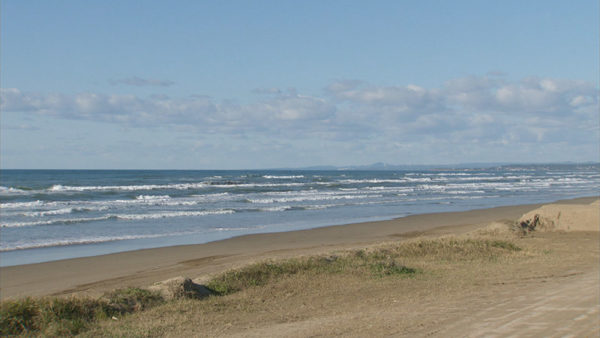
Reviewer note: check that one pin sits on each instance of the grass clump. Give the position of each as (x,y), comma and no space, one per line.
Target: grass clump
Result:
(60,316)
(505,245)
(131,300)
(18,317)
(453,249)
(48,316)
(262,273)
(378,262)
(391,268)
(69,316)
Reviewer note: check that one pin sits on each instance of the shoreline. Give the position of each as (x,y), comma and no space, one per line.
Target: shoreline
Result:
(97,274)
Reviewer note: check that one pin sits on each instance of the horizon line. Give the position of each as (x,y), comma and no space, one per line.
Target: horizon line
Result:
(471,165)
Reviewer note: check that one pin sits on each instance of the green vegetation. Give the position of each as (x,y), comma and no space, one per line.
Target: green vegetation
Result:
(391,268)
(71,316)
(455,249)
(18,316)
(259,274)
(131,300)
(505,245)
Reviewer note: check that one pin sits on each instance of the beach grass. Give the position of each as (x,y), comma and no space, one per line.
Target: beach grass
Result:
(260,274)
(55,316)
(52,316)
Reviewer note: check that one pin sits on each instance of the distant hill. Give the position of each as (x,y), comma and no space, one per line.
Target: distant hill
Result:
(387,166)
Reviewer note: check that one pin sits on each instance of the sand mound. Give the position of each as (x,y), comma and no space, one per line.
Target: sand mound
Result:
(566,217)
(180,287)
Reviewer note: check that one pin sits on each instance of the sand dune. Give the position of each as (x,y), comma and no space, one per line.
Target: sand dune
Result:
(566,217)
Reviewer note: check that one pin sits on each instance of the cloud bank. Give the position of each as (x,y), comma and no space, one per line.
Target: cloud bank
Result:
(483,110)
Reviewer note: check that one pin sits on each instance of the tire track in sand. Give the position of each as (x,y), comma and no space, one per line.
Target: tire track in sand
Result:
(565,308)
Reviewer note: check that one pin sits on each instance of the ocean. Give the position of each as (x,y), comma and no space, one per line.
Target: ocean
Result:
(55,214)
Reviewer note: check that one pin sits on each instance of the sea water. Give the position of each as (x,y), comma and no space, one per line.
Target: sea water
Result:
(55,214)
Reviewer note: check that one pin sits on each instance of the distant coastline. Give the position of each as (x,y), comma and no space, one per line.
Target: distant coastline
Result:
(470,165)
(377,166)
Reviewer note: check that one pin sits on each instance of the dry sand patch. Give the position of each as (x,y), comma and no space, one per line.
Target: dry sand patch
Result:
(550,287)
(566,217)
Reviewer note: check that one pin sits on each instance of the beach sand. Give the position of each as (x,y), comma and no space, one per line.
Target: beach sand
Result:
(95,275)
(555,291)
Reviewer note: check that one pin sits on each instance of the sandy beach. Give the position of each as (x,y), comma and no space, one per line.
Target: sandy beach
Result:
(540,292)
(96,275)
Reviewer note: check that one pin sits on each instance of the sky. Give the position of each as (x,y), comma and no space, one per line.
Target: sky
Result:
(269,84)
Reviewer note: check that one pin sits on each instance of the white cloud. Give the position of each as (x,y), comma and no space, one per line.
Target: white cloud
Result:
(529,96)
(293,107)
(400,99)
(486,111)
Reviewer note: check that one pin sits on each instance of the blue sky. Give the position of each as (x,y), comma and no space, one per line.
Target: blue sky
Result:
(259,84)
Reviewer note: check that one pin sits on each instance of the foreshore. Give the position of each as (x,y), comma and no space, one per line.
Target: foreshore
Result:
(95,275)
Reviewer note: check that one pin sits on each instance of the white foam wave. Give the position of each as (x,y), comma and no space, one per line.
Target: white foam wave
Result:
(376,180)
(256,185)
(309,192)
(82,205)
(452,174)
(315,192)
(410,179)
(390,189)
(309,198)
(275,209)
(179,186)
(152,197)
(81,241)
(54,212)
(53,222)
(479,178)
(173,214)
(321,206)
(463,192)
(283,177)
(103,239)
(225,196)
(527,185)
(179,203)
(118,216)
(217,195)
(6,191)
(21,205)
(48,212)
(391,180)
